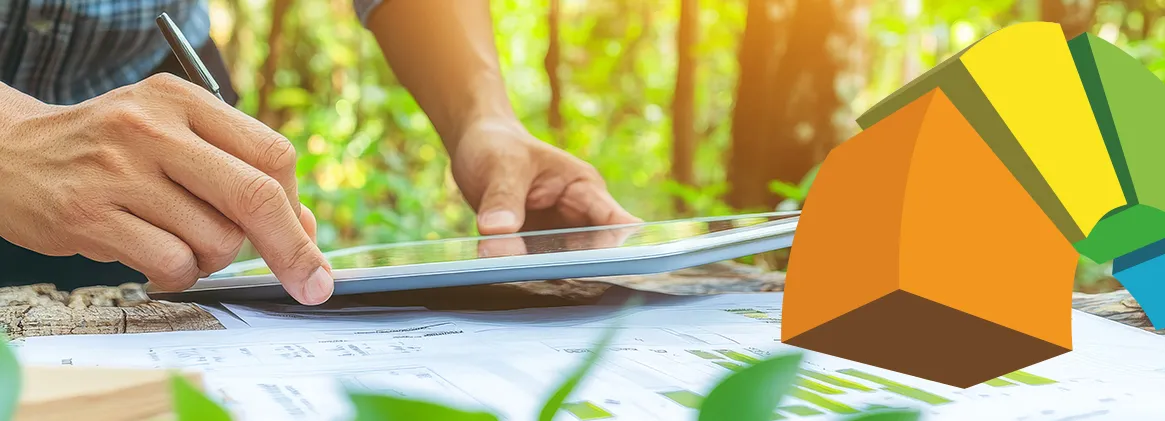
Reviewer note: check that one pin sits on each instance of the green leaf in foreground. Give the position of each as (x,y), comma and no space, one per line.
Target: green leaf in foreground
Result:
(752,394)
(10,379)
(372,407)
(892,415)
(555,402)
(190,404)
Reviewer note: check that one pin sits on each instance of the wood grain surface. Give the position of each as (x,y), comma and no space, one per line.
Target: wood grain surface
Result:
(38,310)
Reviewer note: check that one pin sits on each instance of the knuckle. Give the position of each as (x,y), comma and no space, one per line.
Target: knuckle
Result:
(165,82)
(110,162)
(302,256)
(132,122)
(262,197)
(224,252)
(175,268)
(278,156)
(589,171)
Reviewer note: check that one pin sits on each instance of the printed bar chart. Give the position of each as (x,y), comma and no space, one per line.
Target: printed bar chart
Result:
(587,411)
(998,383)
(836,381)
(685,398)
(704,354)
(728,365)
(1029,379)
(898,388)
(799,410)
(824,402)
(738,356)
(818,387)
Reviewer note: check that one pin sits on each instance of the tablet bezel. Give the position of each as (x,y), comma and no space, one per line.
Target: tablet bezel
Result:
(625,260)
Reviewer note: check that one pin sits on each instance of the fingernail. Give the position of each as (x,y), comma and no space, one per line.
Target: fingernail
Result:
(319,287)
(498,219)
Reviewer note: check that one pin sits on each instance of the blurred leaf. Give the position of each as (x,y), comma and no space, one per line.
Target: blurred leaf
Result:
(10,379)
(786,190)
(372,407)
(555,402)
(752,394)
(291,97)
(891,415)
(190,404)
(807,181)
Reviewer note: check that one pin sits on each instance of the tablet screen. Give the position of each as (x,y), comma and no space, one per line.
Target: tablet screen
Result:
(541,242)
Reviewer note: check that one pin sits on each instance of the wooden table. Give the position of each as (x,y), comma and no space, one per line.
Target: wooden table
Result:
(39,310)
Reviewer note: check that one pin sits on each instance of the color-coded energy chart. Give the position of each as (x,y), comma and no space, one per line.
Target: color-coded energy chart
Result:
(1026,149)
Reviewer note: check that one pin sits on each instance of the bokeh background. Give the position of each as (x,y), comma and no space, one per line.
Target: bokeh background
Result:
(687,107)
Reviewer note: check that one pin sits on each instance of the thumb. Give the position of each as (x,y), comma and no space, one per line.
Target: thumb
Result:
(503,206)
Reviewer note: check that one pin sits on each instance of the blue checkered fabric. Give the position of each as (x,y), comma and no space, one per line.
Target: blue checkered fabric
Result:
(67,51)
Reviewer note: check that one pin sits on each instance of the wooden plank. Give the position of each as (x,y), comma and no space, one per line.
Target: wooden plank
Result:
(126,309)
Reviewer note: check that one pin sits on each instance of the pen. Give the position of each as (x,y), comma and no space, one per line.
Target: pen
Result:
(195,70)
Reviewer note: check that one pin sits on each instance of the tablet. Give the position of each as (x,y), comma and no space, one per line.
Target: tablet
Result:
(631,249)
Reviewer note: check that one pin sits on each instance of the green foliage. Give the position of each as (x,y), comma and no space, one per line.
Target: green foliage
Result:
(752,394)
(795,194)
(372,407)
(555,402)
(10,379)
(190,404)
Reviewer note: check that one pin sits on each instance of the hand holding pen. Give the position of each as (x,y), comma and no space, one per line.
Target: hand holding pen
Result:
(161,176)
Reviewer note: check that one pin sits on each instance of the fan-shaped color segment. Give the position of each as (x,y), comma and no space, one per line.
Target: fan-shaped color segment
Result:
(1020,90)
(1128,103)
(881,269)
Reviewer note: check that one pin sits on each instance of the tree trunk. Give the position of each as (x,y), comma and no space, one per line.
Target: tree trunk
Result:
(683,103)
(553,58)
(1075,19)
(783,122)
(271,63)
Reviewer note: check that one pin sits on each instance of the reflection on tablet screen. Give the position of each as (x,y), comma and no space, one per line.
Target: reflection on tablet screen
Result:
(542,242)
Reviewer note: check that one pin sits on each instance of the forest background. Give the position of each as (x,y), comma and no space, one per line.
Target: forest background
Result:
(687,107)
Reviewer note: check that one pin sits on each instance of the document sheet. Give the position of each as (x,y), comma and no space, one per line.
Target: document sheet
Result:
(294,363)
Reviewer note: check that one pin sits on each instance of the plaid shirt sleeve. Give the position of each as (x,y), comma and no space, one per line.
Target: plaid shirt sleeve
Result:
(65,52)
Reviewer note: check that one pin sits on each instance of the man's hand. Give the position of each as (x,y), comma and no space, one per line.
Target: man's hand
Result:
(160,176)
(517,182)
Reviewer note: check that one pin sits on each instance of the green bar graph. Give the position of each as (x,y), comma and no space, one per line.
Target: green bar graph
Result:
(837,381)
(817,387)
(1029,379)
(898,388)
(824,402)
(704,354)
(685,398)
(728,365)
(738,356)
(799,410)
(587,411)
(997,382)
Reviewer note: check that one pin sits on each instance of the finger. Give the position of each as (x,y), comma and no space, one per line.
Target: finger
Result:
(256,203)
(251,141)
(159,255)
(503,205)
(214,239)
(501,246)
(308,220)
(595,204)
